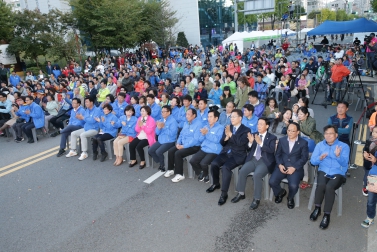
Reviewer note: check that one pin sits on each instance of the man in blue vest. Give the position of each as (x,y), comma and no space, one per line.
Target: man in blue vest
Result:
(342,121)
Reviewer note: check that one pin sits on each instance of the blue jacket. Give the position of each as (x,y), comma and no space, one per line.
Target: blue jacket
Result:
(21,112)
(168,134)
(215,96)
(14,79)
(343,133)
(251,123)
(129,129)
(211,140)
(164,76)
(261,88)
(154,80)
(331,164)
(259,109)
(75,121)
(56,73)
(36,112)
(119,109)
(8,106)
(175,113)
(190,134)
(107,127)
(224,120)
(156,111)
(181,119)
(137,110)
(89,116)
(203,117)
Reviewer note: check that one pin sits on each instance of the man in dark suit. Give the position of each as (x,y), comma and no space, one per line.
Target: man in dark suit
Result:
(49,68)
(233,154)
(261,161)
(291,155)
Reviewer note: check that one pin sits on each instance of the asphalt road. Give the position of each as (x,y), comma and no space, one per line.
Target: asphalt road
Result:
(62,204)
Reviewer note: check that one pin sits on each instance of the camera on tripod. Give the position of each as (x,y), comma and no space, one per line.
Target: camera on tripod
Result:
(368,39)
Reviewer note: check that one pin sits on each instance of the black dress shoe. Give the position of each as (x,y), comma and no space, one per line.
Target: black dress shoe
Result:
(206,179)
(95,156)
(238,198)
(315,214)
(325,221)
(60,153)
(280,196)
(55,134)
(201,176)
(254,205)
(103,156)
(213,188)
(132,165)
(222,199)
(291,203)
(142,166)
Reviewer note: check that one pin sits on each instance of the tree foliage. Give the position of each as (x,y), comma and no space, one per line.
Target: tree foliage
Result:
(6,21)
(35,33)
(182,40)
(373,4)
(122,24)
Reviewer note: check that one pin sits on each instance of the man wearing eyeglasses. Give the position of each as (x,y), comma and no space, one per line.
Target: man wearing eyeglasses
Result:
(331,156)
(291,155)
(233,154)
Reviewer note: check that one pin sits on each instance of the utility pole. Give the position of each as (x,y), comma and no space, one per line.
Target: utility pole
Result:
(235,16)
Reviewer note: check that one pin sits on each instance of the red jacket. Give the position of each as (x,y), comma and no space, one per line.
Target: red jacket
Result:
(338,72)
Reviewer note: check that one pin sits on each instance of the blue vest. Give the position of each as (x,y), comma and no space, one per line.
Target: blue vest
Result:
(341,124)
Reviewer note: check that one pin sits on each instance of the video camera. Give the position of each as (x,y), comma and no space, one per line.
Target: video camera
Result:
(368,39)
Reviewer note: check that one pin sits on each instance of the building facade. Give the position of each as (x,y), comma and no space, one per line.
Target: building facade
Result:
(15,4)
(44,5)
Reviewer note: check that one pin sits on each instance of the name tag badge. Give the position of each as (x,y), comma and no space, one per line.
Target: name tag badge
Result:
(212,132)
(192,130)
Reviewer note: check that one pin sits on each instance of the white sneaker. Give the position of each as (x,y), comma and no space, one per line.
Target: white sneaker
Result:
(307,96)
(71,153)
(178,178)
(83,156)
(169,173)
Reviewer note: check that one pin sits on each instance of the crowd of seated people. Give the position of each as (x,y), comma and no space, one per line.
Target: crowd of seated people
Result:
(224,116)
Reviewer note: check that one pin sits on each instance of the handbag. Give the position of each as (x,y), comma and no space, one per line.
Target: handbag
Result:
(20,120)
(372,183)
(294,92)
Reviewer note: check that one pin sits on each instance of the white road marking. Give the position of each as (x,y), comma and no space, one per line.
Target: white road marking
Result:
(154,177)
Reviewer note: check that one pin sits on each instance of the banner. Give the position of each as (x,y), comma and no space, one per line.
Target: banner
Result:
(6,58)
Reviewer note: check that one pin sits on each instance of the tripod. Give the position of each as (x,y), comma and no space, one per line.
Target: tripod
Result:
(324,83)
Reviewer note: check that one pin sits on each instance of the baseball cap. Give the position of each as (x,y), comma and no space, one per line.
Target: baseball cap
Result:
(332,60)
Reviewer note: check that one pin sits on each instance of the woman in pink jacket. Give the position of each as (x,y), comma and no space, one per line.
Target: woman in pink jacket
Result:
(231,68)
(145,128)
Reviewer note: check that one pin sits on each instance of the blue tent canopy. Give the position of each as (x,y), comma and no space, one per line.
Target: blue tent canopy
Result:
(341,27)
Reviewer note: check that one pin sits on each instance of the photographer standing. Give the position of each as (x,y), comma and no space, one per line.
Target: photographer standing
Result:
(338,72)
(371,43)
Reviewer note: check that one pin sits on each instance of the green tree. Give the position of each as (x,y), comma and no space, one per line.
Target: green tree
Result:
(245,19)
(30,35)
(6,21)
(36,33)
(327,14)
(159,21)
(106,23)
(373,3)
(312,15)
(182,40)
